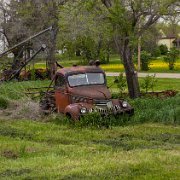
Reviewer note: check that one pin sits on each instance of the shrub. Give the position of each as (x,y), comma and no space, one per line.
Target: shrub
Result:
(163,49)
(171,58)
(121,83)
(149,82)
(156,52)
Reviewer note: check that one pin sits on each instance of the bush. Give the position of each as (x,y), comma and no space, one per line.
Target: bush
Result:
(145,60)
(149,82)
(163,49)
(171,58)
(3,103)
(121,83)
(156,52)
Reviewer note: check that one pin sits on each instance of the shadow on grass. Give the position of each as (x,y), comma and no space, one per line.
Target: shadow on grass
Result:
(130,142)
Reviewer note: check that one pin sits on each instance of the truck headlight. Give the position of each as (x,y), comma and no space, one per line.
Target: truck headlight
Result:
(83,110)
(124,104)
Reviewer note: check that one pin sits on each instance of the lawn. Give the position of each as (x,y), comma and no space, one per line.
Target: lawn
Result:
(37,150)
(162,84)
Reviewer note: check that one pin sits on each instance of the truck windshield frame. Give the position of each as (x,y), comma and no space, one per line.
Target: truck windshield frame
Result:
(86,79)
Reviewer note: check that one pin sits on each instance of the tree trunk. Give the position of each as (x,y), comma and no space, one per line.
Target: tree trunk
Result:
(51,54)
(131,75)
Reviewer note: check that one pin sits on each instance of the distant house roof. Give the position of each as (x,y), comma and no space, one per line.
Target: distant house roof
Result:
(176,40)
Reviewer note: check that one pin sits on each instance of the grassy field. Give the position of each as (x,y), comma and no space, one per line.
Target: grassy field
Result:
(37,150)
(162,84)
(145,146)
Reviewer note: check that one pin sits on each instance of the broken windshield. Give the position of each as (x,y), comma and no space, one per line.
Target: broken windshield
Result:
(86,79)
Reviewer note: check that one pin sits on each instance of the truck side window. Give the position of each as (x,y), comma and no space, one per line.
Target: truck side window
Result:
(60,82)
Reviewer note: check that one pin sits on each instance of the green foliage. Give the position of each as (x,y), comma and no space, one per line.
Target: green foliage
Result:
(156,52)
(97,121)
(157,110)
(17,90)
(85,31)
(163,49)
(121,84)
(93,120)
(3,103)
(149,82)
(171,58)
(145,60)
(149,41)
(33,74)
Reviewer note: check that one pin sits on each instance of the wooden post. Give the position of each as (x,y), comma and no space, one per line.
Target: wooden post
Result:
(139,54)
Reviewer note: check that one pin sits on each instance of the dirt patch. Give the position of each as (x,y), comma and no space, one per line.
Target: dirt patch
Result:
(14,133)
(9,154)
(18,172)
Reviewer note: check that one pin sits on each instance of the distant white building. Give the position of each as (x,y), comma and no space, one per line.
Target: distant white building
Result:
(169,41)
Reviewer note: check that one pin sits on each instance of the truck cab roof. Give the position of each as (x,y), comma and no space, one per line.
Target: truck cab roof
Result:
(79,69)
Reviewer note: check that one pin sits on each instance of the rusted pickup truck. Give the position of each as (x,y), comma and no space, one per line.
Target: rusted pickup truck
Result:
(80,90)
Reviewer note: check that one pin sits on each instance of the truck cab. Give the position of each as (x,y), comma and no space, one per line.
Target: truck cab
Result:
(83,89)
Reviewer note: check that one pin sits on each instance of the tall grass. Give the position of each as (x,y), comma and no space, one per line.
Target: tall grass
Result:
(157,110)
(18,90)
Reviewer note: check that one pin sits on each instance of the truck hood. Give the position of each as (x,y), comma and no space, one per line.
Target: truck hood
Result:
(93,91)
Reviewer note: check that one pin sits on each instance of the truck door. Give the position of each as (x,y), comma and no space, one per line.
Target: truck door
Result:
(61,95)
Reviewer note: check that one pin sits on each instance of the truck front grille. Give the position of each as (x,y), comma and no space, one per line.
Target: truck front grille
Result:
(106,107)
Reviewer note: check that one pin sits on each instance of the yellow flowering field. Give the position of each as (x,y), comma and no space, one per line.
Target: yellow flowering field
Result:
(155,66)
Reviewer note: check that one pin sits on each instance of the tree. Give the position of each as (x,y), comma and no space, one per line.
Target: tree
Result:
(149,41)
(129,19)
(84,31)
(27,17)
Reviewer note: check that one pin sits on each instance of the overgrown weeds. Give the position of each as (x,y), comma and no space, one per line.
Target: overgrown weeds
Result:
(157,110)
(3,103)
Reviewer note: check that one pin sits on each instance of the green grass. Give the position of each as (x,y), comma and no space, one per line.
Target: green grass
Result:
(162,84)
(36,150)
(17,90)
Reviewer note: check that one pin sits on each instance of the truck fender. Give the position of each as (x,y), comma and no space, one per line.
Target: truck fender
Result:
(73,111)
